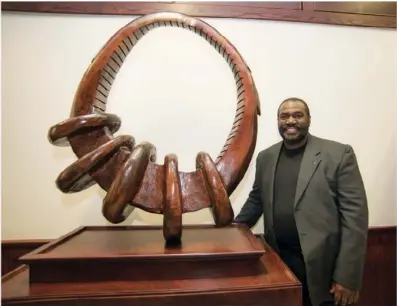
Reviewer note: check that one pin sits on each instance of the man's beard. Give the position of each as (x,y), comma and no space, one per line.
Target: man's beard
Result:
(293,139)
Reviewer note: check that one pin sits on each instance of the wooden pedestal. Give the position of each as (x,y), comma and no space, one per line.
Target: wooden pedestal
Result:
(132,266)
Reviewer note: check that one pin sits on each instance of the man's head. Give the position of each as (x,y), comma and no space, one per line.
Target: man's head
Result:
(293,117)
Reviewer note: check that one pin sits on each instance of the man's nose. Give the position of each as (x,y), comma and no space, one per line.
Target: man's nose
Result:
(290,120)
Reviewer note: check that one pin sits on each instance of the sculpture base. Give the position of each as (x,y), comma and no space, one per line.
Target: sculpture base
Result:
(131,265)
(136,253)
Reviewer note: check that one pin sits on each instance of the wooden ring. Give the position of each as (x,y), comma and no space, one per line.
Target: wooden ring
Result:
(134,179)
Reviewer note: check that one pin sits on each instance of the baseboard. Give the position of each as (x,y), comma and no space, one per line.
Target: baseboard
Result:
(379,283)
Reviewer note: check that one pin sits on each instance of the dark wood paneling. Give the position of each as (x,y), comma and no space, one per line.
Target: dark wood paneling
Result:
(364,8)
(198,9)
(379,280)
(379,283)
(11,250)
(268,4)
(368,14)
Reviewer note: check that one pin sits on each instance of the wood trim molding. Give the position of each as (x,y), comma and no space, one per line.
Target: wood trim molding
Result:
(307,12)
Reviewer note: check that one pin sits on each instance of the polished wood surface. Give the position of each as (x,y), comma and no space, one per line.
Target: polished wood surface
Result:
(363,8)
(130,174)
(133,243)
(12,250)
(274,286)
(379,281)
(212,269)
(172,209)
(134,253)
(349,13)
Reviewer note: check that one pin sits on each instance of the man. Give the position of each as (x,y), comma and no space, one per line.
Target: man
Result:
(315,210)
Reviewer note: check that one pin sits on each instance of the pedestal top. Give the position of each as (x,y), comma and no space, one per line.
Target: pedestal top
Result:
(200,242)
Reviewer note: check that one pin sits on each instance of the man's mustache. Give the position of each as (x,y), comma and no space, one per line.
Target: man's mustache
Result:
(291,126)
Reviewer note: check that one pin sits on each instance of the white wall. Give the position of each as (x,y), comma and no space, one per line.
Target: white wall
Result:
(174,83)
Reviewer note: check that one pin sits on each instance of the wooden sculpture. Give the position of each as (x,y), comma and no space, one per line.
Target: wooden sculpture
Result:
(128,172)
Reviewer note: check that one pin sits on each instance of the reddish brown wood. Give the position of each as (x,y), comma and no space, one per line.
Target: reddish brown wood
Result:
(197,9)
(362,8)
(74,178)
(247,5)
(379,279)
(274,286)
(133,243)
(131,176)
(58,134)
(127,182)
(205,280)
(308,6)
(363,13)
(380,264)
(11,250)
(221,207)
(173,200)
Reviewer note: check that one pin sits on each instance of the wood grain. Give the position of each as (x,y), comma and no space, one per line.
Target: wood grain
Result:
(124,265)
(362,8)
(365,14)
(203,242)
(132,177)
(282,289)
(11,250)
(172,208)
(379,281)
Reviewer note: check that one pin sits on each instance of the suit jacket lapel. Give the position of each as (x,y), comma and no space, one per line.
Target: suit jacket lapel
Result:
(310,161)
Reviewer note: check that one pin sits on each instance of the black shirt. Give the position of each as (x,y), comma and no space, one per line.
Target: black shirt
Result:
(285,181)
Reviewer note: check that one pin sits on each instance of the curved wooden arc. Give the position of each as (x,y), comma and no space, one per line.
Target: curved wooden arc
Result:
(127,183)
(76,177)
(191,191)
(58,134)
(221,207)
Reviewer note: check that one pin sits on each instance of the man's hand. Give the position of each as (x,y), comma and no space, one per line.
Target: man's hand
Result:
(343,296)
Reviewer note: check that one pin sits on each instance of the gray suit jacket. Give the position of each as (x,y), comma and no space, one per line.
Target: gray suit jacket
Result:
(331,213)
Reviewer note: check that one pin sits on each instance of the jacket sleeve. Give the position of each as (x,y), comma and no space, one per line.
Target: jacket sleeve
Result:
(252,208)
(353,211)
